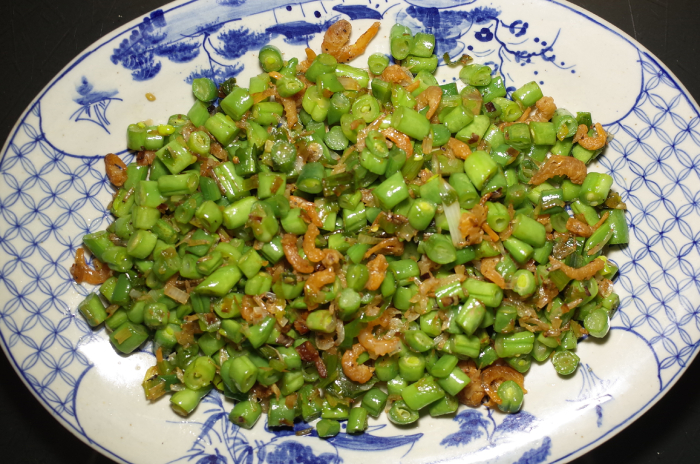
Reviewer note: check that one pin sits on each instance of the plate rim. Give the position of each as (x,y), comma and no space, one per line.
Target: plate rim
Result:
(176,4)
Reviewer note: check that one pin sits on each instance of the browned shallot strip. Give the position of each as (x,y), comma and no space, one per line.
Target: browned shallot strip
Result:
(260,96)
(307,352)
(558,165)
(145,158)
(115,169)
(526,114)
(490,232)
(289,246)
(82,273)
(377,271)
(602,220)
(473,393)
(393,246)
(581,273)
(360,373)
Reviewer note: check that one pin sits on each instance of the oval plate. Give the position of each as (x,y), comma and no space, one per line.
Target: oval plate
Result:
(54,191)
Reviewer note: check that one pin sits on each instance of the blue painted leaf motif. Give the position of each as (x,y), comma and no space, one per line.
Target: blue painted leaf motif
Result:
(179,52)
(236,42)
(297,32)
(471,423)
(358,11)
(369,442)
(136,52)
(536,455)
(294,452)
(520,422)
(213,459)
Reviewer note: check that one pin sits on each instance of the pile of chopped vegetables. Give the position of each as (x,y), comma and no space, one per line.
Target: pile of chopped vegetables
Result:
(333,241)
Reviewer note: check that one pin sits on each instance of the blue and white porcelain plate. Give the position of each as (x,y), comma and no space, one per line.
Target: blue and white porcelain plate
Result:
(54,191)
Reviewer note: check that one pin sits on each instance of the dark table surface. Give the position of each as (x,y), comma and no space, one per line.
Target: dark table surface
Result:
(39,37)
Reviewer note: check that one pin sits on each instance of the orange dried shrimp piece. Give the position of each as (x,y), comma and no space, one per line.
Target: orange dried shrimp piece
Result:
(115,169)
(313,285)
(488,269)
(393,246)
(310,57)
(82,273)
(545,110)
(581,132)
(356,372)
(400,139)
(558,165)
(460,149)
(494,376)
(289,246)
(397,75)
(579,228)
(377,271)
(470,225)
(473,393)
(378,346)
(592,143)
(338,35)
(309,209)
(312,253)
(431,98)
(580,273)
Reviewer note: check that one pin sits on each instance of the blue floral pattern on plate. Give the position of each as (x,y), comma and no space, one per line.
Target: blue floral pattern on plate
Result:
(51,196)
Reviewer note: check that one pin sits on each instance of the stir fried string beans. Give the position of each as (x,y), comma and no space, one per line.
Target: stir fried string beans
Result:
(319,249)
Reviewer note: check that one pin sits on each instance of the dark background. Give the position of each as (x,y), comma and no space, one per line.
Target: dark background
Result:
(38,38)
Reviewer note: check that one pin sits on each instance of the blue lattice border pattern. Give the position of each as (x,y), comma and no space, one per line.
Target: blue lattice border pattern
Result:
(46,191)
(660,284)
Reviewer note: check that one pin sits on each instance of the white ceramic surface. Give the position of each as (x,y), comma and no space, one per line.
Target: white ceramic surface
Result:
(54,191)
